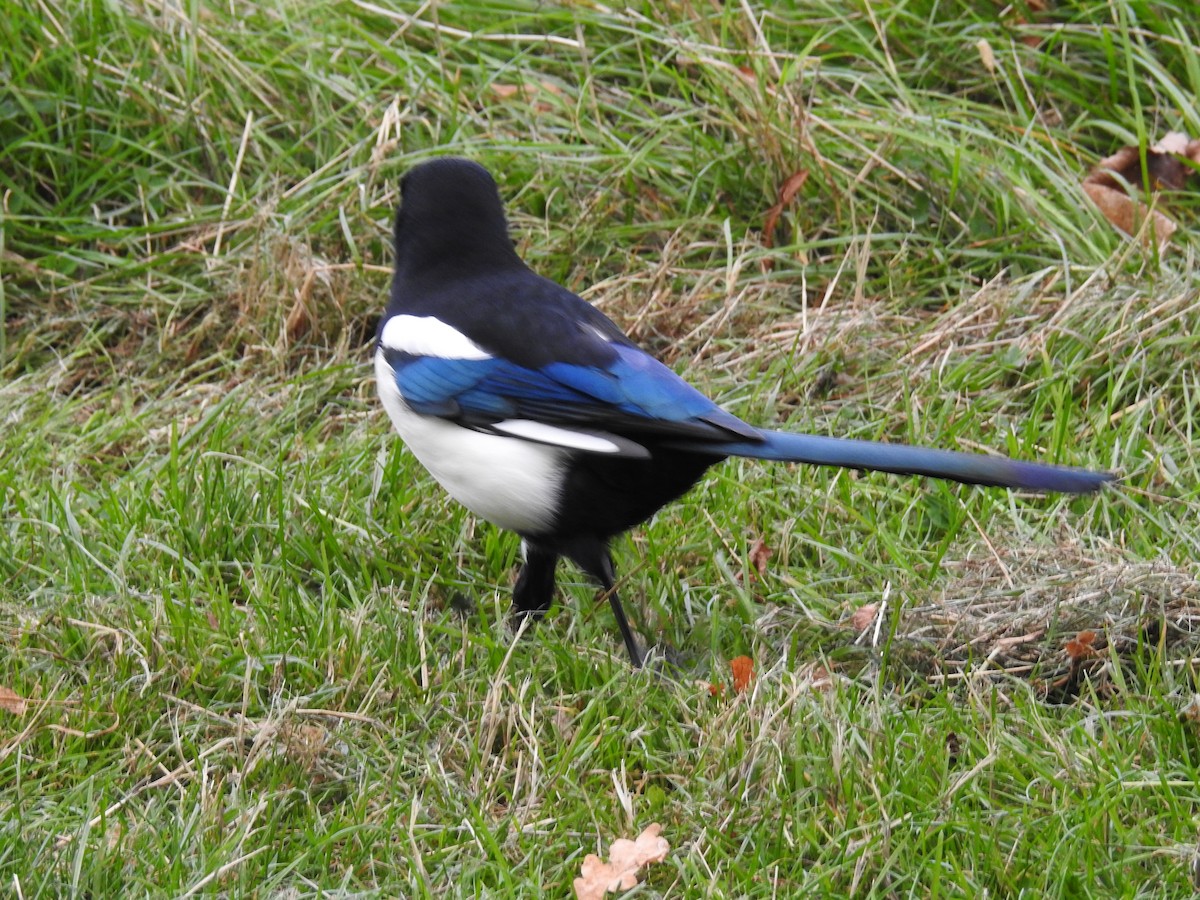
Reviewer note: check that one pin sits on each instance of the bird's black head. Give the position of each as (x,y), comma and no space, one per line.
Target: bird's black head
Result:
(451,220)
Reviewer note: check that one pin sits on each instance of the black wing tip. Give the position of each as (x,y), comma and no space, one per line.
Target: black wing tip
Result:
(1103,478)
(1071,481)
(728,423)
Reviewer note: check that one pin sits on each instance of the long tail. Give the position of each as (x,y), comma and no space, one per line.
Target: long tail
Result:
(969,468)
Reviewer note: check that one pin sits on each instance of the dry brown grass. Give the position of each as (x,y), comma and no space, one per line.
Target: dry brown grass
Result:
(1014,612)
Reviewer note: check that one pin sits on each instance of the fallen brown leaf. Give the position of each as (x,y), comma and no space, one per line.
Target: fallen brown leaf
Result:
(507,91)
(12,702)
(787,193)
(742,670)
(1035,9)
(1166,170)
(529,92)
(864,616)
(626,857)
(818,677)
(1080,646)
(1126,213)
(759,554)
(743,673)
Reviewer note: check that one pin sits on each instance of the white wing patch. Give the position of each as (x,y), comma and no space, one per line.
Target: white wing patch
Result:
(427,336)
(588,441)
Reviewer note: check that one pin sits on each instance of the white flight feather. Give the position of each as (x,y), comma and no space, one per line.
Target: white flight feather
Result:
(562,437)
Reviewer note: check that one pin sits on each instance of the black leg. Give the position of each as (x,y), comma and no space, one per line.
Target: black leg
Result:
(610,588)
(534,591)
(593,557)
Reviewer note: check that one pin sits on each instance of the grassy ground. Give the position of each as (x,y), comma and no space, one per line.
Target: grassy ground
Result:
(263,654)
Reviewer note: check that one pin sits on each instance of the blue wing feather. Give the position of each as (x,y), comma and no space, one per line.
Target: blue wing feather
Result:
(634,394)
(636,383)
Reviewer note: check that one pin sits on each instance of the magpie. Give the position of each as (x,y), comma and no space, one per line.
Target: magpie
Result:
(536,412)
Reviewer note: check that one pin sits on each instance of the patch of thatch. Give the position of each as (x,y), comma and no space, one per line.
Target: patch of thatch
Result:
(1054,613)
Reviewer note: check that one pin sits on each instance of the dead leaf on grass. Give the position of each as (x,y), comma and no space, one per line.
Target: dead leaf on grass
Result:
(507,91)
(1081,646)
(759,554)
(743,673)
(1079,649)
(530,92)
(864,616)
(1020,15)
(742,670)
(12,702)
(1167,170)
(626,857)
(817,677)
(787,193)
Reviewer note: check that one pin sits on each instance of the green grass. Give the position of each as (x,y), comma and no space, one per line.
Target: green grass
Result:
(265,655)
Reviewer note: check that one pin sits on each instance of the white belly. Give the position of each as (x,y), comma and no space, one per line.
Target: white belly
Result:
(508,481)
